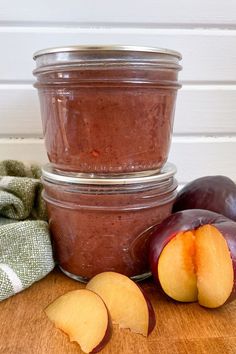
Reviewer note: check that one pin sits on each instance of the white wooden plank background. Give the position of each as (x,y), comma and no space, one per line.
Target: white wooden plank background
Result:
(203,31)
(148,12)
(208,55)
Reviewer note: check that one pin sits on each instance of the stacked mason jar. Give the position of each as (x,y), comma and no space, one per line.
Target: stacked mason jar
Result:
(107,116)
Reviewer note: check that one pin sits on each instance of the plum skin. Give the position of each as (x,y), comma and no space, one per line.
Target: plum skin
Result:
(186,220)
(107,335)
(214,193)
(151,312)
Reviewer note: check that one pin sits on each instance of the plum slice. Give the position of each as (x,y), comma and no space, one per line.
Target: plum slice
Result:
(82,315)
(128,305)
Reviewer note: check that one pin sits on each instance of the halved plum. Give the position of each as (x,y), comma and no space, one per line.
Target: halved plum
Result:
(193,257)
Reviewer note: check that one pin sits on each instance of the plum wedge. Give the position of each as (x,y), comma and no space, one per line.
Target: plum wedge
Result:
(128,306)
(82,315)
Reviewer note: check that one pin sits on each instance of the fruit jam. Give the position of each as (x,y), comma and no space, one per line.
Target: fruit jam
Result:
(98,224)
(107,109)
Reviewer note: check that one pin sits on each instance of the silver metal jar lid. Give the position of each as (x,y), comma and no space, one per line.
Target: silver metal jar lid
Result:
(52,175)
(108,48)
(102,57)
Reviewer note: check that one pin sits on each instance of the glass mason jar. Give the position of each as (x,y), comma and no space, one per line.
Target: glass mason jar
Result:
(107,109)
(99,224)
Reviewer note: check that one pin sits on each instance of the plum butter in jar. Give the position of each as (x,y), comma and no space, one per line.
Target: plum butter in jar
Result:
(99,224)
(107,109)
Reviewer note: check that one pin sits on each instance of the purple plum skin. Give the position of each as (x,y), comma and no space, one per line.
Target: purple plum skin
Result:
(190,220)
(214,193)
(151,312)
(107,336)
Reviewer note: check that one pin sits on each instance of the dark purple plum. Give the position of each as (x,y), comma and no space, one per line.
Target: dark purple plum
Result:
(214,193)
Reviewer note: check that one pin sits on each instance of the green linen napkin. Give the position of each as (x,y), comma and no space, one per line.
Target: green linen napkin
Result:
(25,247)
(20,191)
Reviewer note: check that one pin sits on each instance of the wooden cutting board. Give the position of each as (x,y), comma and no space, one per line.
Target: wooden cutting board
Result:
(181,328)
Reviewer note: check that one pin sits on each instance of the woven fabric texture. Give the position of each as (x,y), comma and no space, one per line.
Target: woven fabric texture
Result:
(25,246)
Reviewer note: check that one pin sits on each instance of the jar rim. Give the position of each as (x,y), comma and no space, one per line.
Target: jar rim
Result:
(52,175)
(97,48)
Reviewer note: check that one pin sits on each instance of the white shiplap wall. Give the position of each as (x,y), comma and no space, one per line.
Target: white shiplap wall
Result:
(204,31)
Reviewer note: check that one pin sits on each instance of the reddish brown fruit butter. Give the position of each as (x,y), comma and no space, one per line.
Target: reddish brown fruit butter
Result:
(107,109)
(98,224)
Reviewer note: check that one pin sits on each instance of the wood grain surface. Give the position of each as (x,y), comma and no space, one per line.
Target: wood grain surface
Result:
(180,329)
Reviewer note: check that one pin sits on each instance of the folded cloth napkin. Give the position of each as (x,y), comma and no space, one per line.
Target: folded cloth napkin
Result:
(20,191)
(25,247)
